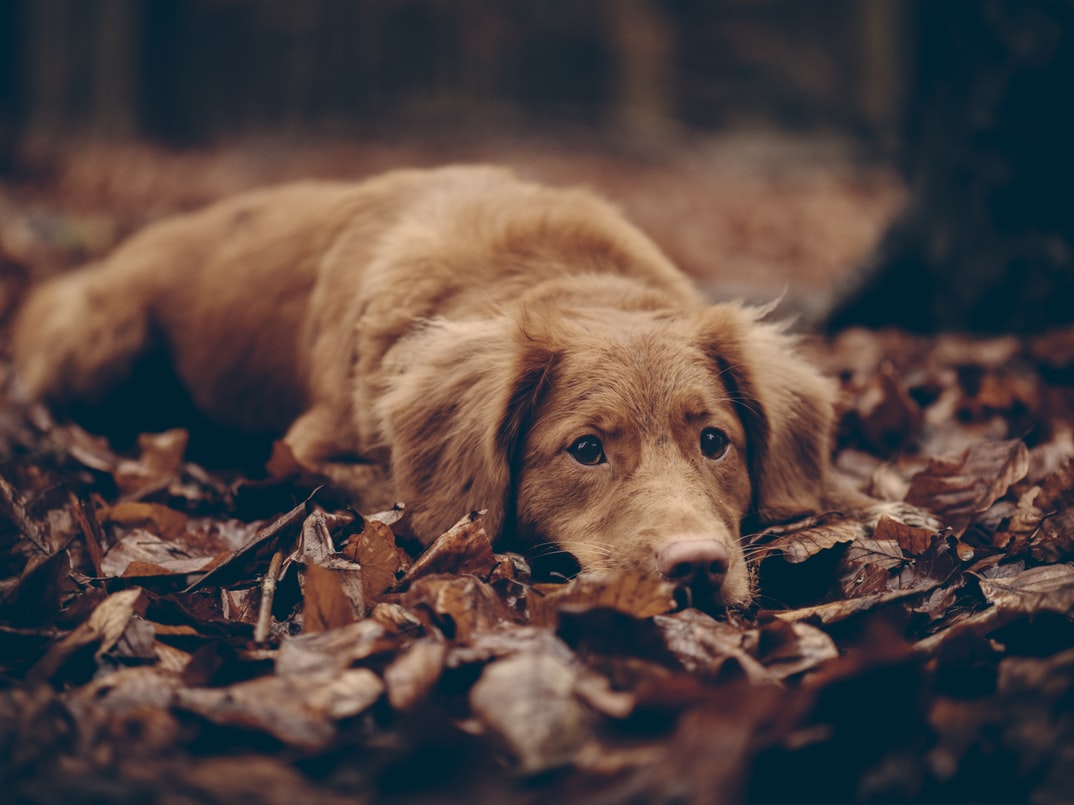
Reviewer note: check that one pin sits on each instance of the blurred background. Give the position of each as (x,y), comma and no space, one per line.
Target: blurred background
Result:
(189,71)
(883,161)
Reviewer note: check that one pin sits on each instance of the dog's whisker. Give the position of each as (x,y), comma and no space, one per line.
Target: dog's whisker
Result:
(606,549)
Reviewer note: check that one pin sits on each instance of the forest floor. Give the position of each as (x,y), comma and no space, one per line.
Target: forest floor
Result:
(180,634)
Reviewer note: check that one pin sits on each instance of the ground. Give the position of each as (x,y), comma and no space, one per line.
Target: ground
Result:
(170,633)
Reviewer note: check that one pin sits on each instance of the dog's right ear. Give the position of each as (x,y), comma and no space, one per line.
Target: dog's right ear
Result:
(456,419)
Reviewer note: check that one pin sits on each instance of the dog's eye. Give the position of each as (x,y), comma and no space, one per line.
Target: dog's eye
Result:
(714,442)
(588,450)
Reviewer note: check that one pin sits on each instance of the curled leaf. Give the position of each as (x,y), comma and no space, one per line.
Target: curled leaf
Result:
(959,488)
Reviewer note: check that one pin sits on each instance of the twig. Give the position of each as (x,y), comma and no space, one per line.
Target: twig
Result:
(92,531)
(268,594)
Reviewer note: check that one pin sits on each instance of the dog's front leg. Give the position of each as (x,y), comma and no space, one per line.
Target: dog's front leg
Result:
(323,441)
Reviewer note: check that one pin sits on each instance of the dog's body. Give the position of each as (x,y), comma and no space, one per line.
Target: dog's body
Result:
(496,344)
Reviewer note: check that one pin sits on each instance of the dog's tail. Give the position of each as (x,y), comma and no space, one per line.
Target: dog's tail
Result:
(76,336)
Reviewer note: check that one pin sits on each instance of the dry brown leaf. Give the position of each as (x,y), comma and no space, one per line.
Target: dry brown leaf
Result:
(458,606)
(1057,490)
(13,507)
(1017,530)
(884,554)
(836,611)
(1055,539)
(297,711)
(327,604)
(1049,588)
(519,639)
(639,595)
(166,523)
(411,676)
(888,416)
(804,538)
(314,544)
(89,451)
(528,702)
(160,460)
(958,488)
(248,559)
(103,631)
(789,649)
(911,539)
(282,462)
(135,701)
(1043,521)
(597,693)
(464,548)
(711,648)
(240,606)
(382,562)
(300,656)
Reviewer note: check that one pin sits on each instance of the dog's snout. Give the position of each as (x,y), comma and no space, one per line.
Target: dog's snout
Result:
(692,561)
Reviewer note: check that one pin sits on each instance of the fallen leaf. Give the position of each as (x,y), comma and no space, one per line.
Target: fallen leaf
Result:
(888,417)
(711,648)
(140,553)
(129,701)
(457,606)
(334,650)
(299,712)
(410,678)
(13,507)
(804,538)
(166,523)
(1049,588)
(1042,523)
(464,548)
(159,462)
(788,649)
(381,560)
(836,611)
(528,702)
(911,539)
(102,632)
(329,593)
(506,642)
(957,489)
(635,594)
(247,560)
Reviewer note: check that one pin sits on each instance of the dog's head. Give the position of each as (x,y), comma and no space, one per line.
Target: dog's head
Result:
(639,439)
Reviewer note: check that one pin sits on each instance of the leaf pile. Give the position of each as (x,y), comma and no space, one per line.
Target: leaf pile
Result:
(171,634)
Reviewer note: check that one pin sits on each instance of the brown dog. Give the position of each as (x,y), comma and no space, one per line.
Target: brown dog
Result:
(496,344)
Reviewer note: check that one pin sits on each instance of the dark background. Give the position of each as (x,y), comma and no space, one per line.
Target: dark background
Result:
(969,99)
(189,70)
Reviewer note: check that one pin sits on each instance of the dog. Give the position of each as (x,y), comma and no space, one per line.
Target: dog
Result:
(493,343)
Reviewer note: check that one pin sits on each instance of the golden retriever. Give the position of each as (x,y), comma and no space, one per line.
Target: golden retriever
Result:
(493,343)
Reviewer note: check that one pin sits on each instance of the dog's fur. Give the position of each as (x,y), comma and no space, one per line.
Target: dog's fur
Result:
(465,329)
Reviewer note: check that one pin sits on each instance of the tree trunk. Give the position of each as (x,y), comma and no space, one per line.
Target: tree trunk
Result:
(986,243)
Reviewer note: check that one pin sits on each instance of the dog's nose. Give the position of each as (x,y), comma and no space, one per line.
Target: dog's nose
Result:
(694,561)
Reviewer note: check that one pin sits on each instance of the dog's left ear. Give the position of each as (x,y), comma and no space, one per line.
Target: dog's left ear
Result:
(456,419)
(785,404)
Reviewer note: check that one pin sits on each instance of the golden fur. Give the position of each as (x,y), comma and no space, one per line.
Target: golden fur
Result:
(465,329)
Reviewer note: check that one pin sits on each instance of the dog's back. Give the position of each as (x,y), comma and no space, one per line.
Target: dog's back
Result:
(252,298)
